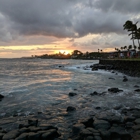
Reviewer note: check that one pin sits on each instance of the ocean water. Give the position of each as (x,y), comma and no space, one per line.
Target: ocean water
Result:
(40,85)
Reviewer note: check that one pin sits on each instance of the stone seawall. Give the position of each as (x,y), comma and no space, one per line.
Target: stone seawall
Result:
(130,67)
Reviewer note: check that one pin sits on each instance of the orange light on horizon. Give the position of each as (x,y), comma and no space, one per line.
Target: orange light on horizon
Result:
(65,52)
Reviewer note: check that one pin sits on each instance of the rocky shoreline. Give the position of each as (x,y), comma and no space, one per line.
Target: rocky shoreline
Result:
(101,126)
(131,68)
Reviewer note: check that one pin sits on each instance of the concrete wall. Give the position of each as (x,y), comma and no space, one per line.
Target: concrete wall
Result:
(130,67)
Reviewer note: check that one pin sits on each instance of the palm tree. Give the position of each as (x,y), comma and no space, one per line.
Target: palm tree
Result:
(137,35)
(121,48)
(125,47)
(130,47)
(139,48)
(129,26)
(135,47)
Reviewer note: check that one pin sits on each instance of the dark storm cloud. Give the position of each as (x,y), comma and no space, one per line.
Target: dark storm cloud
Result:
(122,6)
(64,18)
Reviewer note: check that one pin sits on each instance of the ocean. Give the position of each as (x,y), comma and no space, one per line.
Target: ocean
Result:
(43,85)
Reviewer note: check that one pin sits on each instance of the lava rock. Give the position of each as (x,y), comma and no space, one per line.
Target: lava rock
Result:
(1,97)
(111,78)
(101,124)
(50,134)
(72,94)
(33,122)
(94,69)
(23,136)
(125,79)
(11,135)
(33,136)
(114,90)
(70,108)
(137,121)
(88,122)
(136,86)
(94,93)
(137,90)
(1,135)
(77,128)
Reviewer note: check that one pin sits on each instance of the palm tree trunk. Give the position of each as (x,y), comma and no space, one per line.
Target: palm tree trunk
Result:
(133,39)
(139,42)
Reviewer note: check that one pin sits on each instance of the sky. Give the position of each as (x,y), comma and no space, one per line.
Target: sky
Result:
(35,27)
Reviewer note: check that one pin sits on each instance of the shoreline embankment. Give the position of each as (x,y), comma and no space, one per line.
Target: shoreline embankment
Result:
(129,67)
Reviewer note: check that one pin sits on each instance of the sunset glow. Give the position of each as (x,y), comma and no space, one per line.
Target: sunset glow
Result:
(74,25)
(65,52)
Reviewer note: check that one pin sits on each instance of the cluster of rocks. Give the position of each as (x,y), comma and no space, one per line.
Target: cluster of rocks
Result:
(31,131)
(100,66)
(103,125)
(108,126)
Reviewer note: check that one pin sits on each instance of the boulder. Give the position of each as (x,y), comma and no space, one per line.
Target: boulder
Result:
(137,90)
(129,118)
(23,136)
(111,78)
(116,119)
(1,97)
(50,134)
(105,135)
(89,138)
(94,132)
(88,122)
(94,69)
(1,135)
(97,138)
(137,121)
(125,79)
(34,129)
(11,135)
(114,90)
(85,133)
(120,133)
(33,122)
(136,135)
(72,94)
(33,136)
(70,108)
(129,124)
(136,86)
(94,93)
(98,107)
(136,127)
(101,124)
(24,129)
(77,128)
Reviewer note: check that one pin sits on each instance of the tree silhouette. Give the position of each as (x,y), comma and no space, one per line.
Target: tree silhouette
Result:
(130,27)
(130,47)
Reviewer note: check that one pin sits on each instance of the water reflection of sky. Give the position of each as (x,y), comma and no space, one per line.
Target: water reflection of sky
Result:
(40,84)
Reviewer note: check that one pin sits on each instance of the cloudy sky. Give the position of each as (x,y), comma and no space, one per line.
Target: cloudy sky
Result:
(29,27)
